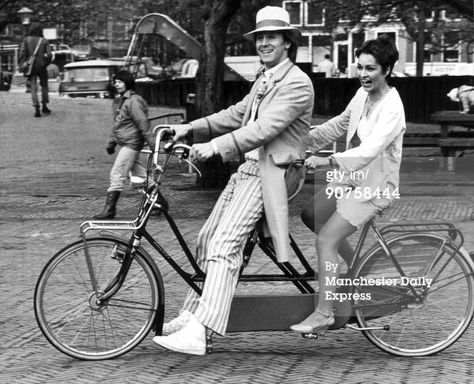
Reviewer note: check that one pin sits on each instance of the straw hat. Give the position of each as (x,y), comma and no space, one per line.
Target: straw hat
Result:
(272,19)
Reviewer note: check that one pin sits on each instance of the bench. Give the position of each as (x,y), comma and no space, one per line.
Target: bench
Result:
(456,143)
(420,139)
(452,143)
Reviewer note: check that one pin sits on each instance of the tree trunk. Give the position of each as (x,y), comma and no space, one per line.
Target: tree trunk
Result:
(210,81)
(211,68)
(420,40)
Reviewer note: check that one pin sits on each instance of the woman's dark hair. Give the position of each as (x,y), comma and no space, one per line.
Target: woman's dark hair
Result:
(383,49)
(126,77)
(293,50)
(35,29)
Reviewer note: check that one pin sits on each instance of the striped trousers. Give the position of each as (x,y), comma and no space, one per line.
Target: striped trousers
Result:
(220,246)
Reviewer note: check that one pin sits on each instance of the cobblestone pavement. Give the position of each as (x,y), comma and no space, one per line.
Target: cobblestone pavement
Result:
(54,172)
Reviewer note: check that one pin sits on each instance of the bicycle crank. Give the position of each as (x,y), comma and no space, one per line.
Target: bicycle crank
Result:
(381,328)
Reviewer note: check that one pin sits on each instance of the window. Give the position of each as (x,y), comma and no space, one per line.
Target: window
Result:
(101,31)
(341,37)
(451,56)
(451,46)
(6,31)
(322,41)
(321,45)
(427,57)
(450,14)
(121,29)
(357,41)
(314,14)
(295,10)
(87,74)
(345,18)
(391,35)
(303,41)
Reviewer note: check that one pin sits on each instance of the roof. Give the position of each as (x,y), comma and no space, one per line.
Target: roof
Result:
(95,63)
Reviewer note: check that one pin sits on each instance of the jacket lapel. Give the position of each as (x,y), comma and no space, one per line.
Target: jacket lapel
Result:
(252,94)
(275,78)
(278,76)
(355,118)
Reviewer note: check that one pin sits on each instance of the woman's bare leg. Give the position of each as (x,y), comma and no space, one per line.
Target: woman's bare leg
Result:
(317,213)
(328,242)
(336,230)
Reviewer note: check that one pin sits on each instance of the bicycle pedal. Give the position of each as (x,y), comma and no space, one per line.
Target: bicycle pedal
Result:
(310,335)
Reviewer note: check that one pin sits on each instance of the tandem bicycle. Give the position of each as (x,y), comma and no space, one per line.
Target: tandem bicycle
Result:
(99,297)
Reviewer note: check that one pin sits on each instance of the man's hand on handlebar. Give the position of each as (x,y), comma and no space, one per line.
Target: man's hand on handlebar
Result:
(181,131)
(198,152)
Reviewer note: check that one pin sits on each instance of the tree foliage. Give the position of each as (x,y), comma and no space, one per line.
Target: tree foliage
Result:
(340,9)
(423,24)
(421,19)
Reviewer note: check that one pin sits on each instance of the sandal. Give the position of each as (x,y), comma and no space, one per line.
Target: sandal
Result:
(318,329)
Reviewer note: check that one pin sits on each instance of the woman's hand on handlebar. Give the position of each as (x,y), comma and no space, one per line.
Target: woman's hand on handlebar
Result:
(201,152)
(181,131)
(313,162)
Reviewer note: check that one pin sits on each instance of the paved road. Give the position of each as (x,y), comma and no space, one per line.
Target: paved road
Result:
(54,171)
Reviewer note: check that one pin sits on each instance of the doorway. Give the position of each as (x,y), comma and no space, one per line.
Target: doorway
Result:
(342,63)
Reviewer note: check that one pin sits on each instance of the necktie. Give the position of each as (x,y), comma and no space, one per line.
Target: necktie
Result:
(261,89)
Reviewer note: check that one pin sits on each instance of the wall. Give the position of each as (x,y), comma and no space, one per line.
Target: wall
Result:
(421,96)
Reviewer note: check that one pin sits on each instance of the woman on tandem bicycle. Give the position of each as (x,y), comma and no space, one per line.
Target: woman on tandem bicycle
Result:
(364,179)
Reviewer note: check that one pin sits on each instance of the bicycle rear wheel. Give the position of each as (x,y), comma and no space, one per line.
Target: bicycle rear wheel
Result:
(417,326)
(71,317)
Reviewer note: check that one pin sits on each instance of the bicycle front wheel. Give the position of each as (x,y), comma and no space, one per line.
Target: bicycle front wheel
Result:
(74,319)
(407,324)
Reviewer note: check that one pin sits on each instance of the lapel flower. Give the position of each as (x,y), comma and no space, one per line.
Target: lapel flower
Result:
(262,88)
(264,85)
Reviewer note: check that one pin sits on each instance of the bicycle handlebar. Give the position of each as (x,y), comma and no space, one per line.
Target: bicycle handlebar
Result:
(180,150)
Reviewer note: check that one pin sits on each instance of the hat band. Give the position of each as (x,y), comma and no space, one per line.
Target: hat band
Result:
(271,23)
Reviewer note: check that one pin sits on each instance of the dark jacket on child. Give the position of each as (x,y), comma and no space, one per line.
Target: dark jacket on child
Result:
(131,125)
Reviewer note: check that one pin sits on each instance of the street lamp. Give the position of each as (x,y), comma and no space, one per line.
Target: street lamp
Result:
(25,15)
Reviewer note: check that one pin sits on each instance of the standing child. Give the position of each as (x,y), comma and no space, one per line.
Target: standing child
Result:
(130,131)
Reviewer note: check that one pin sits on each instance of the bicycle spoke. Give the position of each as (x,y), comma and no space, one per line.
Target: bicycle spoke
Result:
(461,277)
(144,306)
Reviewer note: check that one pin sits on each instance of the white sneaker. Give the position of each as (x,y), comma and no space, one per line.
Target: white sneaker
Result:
(176,324)
(191,339)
